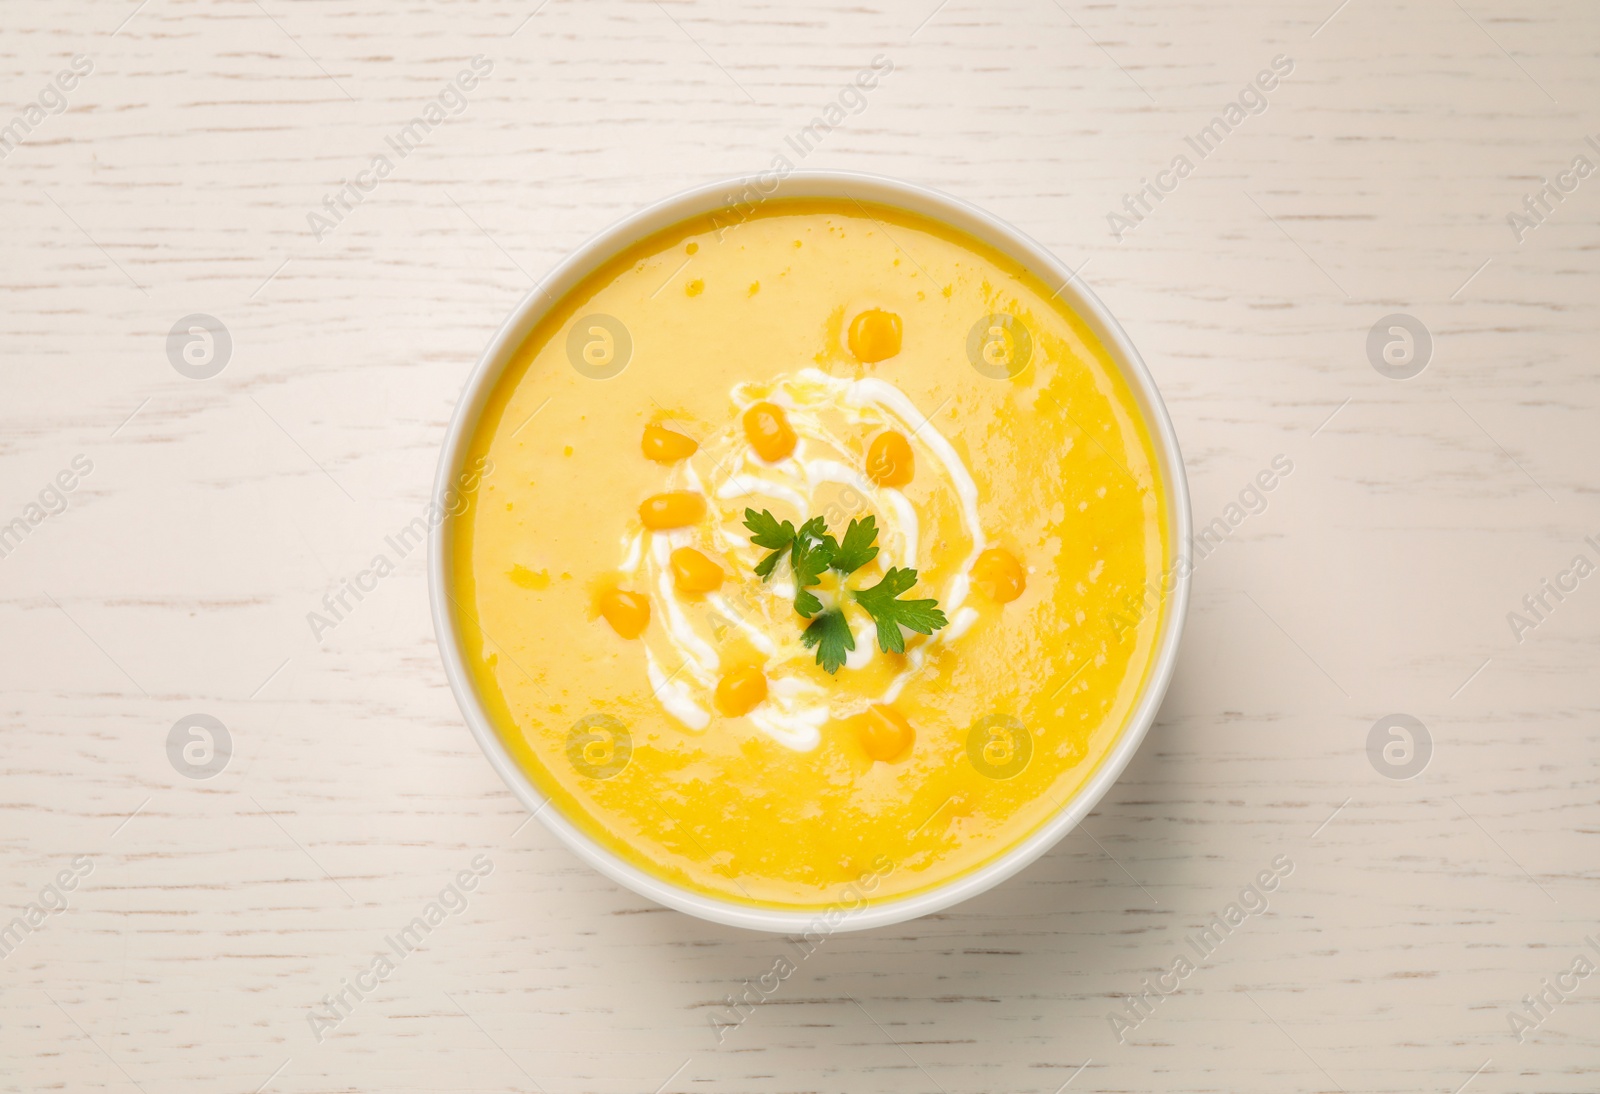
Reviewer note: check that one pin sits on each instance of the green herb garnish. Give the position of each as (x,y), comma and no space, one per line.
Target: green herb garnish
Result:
(811,554)
(812,550)
(890,613)
(857,549)
(830,634)
(765,531)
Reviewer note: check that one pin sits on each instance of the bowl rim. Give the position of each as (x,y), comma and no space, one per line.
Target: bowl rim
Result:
(914,198)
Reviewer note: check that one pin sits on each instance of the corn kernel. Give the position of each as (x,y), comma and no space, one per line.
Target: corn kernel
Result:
(769,431)
(628,613)
(889,460)
(672,510)
(875,335)
(741,691)
(885,733)
(998,573)
(693,572)
(664,446)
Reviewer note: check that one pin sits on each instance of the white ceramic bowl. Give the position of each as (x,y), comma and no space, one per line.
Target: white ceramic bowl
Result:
(916,199)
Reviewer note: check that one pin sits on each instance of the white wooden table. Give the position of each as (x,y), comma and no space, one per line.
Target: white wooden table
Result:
(210,916)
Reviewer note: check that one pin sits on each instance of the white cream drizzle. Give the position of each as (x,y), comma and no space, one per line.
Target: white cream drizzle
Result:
(681,652)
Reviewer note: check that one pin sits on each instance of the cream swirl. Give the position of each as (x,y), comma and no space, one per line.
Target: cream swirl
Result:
(821,477)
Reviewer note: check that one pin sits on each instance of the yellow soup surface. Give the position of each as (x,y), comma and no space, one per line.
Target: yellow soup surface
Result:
(809,359)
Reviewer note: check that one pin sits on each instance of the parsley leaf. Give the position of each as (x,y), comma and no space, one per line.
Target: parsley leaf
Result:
(891,613)
(830,634)
(812,552)
(857,548)
(766,531)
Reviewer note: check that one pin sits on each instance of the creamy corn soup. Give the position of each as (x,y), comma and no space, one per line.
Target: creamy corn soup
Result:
(810,551)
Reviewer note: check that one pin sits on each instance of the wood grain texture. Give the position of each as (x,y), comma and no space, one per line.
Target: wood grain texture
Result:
(1378,578)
